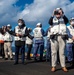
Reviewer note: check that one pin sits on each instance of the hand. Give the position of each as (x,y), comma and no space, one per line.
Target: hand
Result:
(53,12)
(8,28)
(17,34)
(20,35)
(73,38)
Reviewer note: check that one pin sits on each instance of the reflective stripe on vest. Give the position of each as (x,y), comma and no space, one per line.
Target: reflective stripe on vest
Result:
(71,29)
(37,33)
(28,40)
(58,26)
(48,34)
(8,37)
(21,32)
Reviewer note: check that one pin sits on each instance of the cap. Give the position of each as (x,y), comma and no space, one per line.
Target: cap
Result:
(38,24)
(8,25)
(57,8)
(29,28)
(72,18)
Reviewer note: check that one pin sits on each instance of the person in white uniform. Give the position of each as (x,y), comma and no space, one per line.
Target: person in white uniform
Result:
(58,38)
(29,43)
(8,38)
(70,43)
(48,45)
(2,55)
(38,41)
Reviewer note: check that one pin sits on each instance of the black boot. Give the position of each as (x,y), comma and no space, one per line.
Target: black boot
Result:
(15,63)
(35,59)
(71,63)
(28,58)
(41,58)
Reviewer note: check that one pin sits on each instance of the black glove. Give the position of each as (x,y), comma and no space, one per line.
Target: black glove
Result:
(54,36)
(65,37)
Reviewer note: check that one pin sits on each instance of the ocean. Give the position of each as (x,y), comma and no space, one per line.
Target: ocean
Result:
(13,50)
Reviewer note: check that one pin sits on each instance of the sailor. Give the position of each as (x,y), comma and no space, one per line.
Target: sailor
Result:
(70,43)
(58,37)
(8,39)
(20,34)
(29,43)
(38,41)
(1,43)
(48,45)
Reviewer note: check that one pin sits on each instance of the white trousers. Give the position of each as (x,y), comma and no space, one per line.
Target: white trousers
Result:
(7,47)
(56,45)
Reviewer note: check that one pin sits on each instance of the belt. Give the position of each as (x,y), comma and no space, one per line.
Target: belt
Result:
(8,41)
(59,34)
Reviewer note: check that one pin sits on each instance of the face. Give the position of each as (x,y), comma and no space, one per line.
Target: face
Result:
(4,28)
(60,14)
(8,28)
(60,11)
(20,23)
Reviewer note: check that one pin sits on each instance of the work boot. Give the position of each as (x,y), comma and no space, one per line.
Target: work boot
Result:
(72,64)
(35,59)
(53,69)
(64,69)
(15,63)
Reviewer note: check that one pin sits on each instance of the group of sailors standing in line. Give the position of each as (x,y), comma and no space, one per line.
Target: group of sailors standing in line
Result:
(59,38)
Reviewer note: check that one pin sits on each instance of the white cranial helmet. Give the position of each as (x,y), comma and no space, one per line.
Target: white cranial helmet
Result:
(72,18)
(8,25)
(59,9)
(39,24)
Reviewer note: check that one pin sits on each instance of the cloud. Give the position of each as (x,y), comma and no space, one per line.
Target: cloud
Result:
(38,11)
(41,10)
(7,11)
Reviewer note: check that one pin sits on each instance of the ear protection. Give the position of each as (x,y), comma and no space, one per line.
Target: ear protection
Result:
(61,10)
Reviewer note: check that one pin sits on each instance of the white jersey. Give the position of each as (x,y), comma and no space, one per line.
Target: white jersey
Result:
(37,32)
(8,37)
(1,37)
(58,26)
(20,31)
(48,34)
(71,29)
(28,40)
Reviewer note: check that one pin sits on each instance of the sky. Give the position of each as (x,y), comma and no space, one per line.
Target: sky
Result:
(32,11)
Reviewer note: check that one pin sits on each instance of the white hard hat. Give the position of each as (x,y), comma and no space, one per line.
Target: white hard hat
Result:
(72,19)
(29,28)
(8,25)
(57,8)
(38,24)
